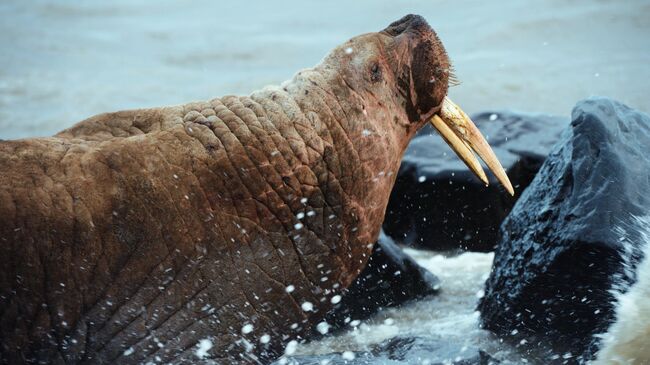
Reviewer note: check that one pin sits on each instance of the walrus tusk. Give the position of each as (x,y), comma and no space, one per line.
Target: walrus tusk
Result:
(462,135)
(460,147)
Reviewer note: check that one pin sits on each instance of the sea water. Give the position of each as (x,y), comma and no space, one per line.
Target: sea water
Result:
(64,61)
(449,317)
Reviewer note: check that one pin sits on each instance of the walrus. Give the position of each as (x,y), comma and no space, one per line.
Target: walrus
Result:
(222,230)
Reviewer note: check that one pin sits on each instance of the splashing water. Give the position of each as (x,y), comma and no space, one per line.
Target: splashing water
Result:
(449,316)
(626,341)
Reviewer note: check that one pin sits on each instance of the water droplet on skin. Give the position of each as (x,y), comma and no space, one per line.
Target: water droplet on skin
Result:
(248,328)
(203,347)
(307,306)
(291,347)
(323,328)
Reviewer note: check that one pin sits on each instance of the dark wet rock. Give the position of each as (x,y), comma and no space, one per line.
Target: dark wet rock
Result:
(560,252)
(401,351)
(391,278)
(452,209)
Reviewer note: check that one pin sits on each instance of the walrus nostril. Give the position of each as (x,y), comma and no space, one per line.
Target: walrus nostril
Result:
(410,22)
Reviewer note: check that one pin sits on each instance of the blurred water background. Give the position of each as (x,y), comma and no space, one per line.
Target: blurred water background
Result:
(63,61)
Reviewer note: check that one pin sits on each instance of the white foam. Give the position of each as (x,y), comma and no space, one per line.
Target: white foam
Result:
(627,341)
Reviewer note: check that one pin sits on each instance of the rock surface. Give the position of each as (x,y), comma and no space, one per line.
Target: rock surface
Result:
(438,204)
(391,278)
(560,254)
(402,351)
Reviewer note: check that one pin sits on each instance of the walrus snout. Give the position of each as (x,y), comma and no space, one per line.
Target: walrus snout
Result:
(428,72)
(429,75)
(408,23)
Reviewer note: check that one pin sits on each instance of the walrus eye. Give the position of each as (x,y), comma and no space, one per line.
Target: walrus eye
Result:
(375,74)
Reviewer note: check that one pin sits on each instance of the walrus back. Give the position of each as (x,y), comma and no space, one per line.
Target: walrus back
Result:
(178,222)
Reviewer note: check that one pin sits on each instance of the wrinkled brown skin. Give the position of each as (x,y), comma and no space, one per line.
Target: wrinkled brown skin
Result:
(146,231)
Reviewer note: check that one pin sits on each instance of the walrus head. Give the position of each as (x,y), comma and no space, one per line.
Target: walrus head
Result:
(405,66)
(362,105)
